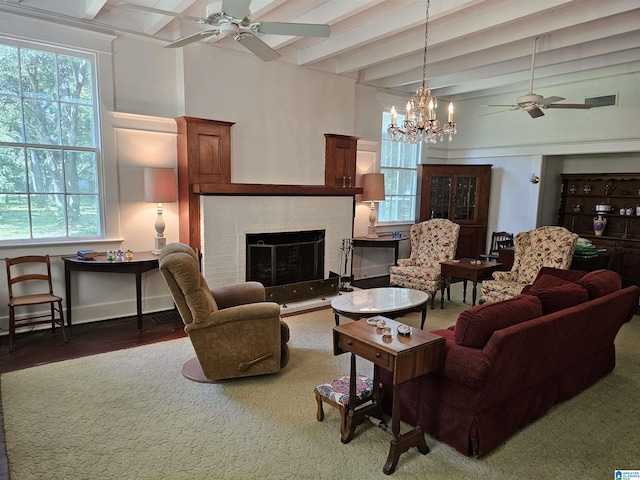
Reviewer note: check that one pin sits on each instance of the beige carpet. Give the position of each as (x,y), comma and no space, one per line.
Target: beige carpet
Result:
(130,414)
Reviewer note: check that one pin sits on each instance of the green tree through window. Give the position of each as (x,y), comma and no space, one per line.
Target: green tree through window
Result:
(49,156)
(399,163)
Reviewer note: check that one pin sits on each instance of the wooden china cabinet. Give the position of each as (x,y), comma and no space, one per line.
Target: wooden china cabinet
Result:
(461,194)
(579,195)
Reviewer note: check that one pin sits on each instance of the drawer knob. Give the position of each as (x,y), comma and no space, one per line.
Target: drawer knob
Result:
(349,342)
(377,354)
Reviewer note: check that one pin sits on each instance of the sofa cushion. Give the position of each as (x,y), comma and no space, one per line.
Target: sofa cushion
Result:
(476,324)
(600,282)
(559,297)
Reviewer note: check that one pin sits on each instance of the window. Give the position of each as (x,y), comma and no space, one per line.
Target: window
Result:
(399,163)
(49,145)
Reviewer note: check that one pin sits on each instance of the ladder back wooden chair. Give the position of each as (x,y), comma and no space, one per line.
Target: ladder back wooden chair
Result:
(498,240)
(29,282)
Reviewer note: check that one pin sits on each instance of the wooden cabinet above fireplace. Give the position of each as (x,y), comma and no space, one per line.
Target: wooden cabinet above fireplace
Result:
(204,157)
(340,160)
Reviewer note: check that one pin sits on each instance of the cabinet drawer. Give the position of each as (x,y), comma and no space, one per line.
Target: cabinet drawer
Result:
(370,352)
(456,271)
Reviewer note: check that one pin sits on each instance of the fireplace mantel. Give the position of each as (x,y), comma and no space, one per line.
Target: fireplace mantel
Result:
(266,190)
(204,168)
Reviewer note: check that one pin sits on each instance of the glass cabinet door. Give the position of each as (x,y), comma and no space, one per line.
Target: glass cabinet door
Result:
(440,197)
(464,200)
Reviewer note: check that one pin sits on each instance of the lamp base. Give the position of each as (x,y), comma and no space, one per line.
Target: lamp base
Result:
(371,233)
(161,242)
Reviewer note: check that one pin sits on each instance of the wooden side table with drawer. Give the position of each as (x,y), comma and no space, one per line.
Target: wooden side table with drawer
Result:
(407,357)
(465,270)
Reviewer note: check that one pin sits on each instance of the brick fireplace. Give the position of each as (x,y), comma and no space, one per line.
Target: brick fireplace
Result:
(226,220)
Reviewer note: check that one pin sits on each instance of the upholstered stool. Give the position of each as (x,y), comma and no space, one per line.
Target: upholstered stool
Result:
(336,393)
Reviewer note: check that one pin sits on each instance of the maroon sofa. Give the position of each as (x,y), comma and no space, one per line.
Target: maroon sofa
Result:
(507,363)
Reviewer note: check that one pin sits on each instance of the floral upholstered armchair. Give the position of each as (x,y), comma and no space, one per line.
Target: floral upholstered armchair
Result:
(542,247)
(432,241)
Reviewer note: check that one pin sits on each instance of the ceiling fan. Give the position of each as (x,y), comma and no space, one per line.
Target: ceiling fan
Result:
(532,103)
(232,18)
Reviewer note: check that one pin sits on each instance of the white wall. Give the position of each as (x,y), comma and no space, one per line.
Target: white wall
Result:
(281,113)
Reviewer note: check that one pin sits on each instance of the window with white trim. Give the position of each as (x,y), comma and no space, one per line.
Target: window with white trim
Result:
(399,163)
(49,144)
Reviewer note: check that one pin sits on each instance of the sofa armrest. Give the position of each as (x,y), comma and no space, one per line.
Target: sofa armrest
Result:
(238,294)
(253,312)
(464,365)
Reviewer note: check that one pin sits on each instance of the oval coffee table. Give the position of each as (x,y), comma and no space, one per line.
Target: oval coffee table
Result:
(391,302)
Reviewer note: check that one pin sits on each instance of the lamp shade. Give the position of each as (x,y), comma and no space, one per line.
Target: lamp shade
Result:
(159,185)
(373,187)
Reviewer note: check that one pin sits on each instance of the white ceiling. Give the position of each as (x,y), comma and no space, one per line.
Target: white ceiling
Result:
(476,47)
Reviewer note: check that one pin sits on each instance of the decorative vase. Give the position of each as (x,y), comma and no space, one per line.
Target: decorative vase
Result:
(599,223)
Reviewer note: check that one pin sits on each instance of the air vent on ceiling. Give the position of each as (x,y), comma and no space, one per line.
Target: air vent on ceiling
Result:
(602,101)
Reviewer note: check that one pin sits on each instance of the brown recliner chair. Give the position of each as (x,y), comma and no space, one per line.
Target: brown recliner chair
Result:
(234,332)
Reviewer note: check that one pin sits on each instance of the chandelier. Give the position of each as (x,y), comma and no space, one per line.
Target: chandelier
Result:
(420,124)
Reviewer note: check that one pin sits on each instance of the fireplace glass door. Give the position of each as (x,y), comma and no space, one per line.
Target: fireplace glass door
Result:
(286,257)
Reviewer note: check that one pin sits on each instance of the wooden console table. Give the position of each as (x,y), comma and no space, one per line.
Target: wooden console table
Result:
(380,242)
(407,357)
(141,262)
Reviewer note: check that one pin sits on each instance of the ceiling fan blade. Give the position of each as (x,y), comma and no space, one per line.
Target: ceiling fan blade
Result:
(135,6)
(191,38)
(497,111)
(550,100)
(236,8)
(535,112)
(257,46)
(580,106)
(295,29)
(512,106)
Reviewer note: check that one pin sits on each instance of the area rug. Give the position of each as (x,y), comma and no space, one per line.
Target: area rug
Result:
(131,415)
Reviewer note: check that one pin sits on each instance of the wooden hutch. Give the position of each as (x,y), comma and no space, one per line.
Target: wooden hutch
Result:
(579,195)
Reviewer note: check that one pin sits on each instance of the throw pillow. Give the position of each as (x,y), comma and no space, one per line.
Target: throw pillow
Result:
(476,324)
(600,282)
(544,282)
(560,297)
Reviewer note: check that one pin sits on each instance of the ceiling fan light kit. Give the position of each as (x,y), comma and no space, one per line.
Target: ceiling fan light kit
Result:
(234,21)
(420,124)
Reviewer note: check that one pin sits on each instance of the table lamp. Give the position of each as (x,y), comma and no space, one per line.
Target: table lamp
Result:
(159,187)
(373,191)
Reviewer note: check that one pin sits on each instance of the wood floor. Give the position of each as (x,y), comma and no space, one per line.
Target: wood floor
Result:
(41,347)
